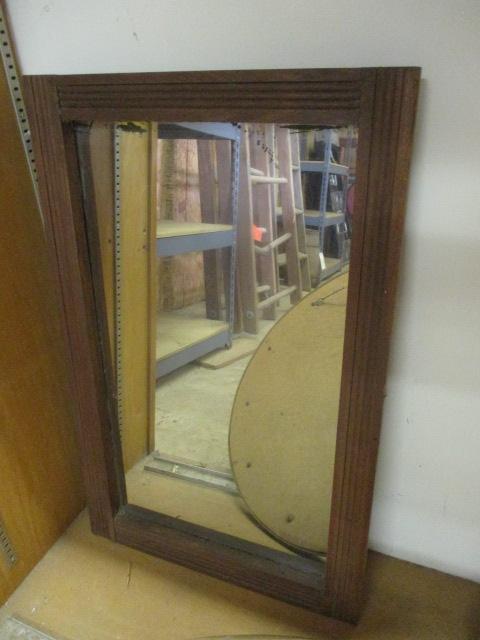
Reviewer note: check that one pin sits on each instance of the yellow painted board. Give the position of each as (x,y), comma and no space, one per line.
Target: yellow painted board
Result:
(137,291)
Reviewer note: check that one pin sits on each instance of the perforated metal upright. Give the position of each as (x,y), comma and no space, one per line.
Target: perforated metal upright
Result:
(14,86)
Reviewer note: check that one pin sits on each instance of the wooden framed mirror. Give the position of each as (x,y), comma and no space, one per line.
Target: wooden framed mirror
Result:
(72,114)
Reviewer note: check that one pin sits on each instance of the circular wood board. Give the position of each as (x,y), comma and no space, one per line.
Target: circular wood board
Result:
(284,420)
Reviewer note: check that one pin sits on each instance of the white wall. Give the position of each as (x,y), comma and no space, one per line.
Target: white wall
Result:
(427,500)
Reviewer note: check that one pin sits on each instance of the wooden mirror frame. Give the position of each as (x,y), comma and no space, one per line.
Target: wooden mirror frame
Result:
(381,102)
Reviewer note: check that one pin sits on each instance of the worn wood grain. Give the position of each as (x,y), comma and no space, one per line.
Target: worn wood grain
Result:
(385,143)
(382,102)
(305,95)
(289,577)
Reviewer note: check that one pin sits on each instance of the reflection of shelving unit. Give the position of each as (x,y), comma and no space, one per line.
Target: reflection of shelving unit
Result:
(322,218)
(180,339)
(319,166)
(175,237)
(264,146)
(198,131)
(317,219)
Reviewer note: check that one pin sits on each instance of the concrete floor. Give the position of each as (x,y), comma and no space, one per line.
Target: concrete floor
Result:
(192,412)
(88,588)
(193,407)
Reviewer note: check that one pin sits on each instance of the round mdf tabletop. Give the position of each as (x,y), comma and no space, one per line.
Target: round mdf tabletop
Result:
(284,420)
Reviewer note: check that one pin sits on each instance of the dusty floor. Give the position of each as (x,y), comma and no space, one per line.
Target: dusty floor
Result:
(192,502)
(192,412)
(88,588)
(193,407)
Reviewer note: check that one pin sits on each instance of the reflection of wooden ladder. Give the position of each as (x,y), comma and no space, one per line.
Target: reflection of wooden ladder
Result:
(257,261)
(294,156)
(262,207)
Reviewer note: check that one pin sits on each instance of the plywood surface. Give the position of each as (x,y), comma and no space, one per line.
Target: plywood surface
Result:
(284,419)
(176,332)
(88,588)
(40,486)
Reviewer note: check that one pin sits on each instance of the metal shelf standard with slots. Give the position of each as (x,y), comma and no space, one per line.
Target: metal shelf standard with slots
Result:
(180,338)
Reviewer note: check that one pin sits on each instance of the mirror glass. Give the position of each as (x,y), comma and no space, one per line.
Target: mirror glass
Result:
(224,253)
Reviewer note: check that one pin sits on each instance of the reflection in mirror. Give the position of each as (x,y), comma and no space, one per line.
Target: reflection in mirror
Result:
(225,253)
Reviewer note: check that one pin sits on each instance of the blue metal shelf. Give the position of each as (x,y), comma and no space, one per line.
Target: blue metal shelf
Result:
(318,221)
(174,238)
(199,131)
(192,352)
(319,166)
